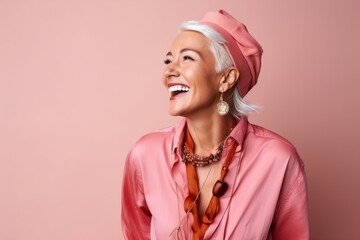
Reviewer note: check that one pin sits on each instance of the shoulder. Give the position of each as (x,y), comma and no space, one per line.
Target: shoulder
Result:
(162,139)
(155,137)
(151,145)
(272,146)
(268,138)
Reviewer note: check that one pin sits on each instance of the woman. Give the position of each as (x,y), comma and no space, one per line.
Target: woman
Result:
(214,175)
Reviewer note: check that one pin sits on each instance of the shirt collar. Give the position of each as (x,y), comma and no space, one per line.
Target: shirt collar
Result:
(239,131)
(178,136)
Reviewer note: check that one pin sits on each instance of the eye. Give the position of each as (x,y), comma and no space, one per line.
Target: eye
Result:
(188,58)
(167,61)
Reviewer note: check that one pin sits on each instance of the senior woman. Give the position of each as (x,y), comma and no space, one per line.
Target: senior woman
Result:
(214,175)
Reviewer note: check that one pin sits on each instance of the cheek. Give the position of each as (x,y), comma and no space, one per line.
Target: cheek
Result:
(163,78)
(194,75)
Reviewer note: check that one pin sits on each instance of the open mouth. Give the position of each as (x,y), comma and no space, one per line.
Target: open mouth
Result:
(178,89)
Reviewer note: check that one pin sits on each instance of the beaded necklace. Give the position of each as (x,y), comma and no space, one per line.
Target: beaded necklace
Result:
(200,161)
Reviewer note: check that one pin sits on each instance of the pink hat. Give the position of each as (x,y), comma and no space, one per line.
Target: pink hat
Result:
(243,49)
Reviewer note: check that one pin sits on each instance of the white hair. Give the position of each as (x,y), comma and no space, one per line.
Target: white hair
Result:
(238,107)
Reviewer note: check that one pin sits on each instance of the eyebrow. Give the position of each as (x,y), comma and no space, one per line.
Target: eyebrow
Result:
(186,49)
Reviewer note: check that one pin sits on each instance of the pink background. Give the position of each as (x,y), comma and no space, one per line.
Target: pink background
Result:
(80,82)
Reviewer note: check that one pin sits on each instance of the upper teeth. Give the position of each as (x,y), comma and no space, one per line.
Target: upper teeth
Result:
(178,88)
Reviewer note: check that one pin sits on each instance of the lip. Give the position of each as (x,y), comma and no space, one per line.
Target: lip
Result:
(178,95)
(174,97)
(174,84)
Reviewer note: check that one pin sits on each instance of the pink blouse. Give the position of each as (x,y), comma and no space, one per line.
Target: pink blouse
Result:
(266,198)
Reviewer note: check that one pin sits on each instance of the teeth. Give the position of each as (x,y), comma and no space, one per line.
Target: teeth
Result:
(177,88)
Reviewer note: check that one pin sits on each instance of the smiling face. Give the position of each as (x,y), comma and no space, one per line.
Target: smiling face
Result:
(190,76)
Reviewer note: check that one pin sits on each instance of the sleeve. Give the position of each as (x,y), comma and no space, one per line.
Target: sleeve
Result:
(135,215)
(291,217)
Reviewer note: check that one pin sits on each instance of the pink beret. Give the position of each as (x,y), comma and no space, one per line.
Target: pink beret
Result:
(243,49)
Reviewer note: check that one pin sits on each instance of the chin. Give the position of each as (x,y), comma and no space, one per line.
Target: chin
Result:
(176,112)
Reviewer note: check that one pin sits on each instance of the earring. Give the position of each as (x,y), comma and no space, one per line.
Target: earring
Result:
(222,106)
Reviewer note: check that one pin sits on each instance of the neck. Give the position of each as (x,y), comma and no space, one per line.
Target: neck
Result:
(207,134)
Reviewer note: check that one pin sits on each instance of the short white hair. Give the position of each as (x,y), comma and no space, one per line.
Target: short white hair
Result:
(238,107)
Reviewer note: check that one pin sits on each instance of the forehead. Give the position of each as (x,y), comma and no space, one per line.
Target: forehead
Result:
(191,40)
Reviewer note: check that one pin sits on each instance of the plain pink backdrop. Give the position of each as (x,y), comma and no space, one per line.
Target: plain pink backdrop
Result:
(80,82)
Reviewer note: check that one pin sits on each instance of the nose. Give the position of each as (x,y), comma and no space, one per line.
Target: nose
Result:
(171,71)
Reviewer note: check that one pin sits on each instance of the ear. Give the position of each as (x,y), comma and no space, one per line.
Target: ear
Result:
(229,79)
